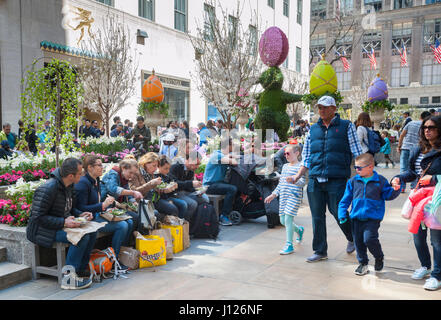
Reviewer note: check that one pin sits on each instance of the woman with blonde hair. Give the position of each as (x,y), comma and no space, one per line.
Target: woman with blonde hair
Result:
(363,124)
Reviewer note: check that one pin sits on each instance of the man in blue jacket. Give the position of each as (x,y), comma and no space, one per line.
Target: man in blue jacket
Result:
(329,147)
(367,191)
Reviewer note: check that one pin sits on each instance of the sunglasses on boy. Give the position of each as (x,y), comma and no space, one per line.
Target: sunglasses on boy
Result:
(358,168)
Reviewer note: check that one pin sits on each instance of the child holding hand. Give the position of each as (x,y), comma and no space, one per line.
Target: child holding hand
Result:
(291,196)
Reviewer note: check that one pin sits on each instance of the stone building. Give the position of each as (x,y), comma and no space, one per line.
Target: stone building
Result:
(386,25)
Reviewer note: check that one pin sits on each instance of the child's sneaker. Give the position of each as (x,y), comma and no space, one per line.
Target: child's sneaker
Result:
(432,284)
(379,264)
(300,234)
(288,249)
(421,273)
(362,270)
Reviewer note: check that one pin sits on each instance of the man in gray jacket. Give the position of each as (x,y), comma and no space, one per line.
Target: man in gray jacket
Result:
(141,134)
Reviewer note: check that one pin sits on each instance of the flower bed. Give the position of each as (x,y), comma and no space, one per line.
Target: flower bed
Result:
(103,145)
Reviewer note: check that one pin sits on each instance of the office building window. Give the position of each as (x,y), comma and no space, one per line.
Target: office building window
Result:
(318,9)
(299,11)
(399,75)
(146,9)
(286,8)
(431,72)
(344,44)
(400,4)
(367,75)
(436,99)
(424,100)
(298,59)
(317,44)
(253,40)
(393,101)
(286,62)
(181,15)
(432,31)
(271,3)
(401,34)
(178,101)
(404,100)
(232,31)
(371,39)
(373,5)
(209,18)
(347,6)
(108,2)
(344,78)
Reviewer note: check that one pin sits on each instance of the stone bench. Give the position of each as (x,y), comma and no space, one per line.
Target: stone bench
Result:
(54,271)
(215,199)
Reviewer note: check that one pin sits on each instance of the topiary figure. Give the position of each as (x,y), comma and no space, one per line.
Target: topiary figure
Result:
(273,50)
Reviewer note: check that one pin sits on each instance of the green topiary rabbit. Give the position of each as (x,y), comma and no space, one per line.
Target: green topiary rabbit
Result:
(272,104)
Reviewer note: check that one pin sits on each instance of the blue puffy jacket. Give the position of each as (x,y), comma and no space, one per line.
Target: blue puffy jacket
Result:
(368,199)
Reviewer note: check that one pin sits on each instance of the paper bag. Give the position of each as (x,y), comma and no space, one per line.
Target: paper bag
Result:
(176,232)
(166,234)
(186,235)
(129,257)
(152,251)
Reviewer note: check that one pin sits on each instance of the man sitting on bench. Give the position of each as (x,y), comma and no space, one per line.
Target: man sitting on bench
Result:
(52,210)
(214,176)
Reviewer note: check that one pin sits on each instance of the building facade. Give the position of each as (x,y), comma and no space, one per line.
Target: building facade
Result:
(387,26)
(42,29)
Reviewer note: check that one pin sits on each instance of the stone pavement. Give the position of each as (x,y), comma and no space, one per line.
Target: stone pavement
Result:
(244,264)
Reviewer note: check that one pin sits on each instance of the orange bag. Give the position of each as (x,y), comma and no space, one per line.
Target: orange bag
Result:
(101,262)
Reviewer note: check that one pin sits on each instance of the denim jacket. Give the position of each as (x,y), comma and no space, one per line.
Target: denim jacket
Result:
(111,185)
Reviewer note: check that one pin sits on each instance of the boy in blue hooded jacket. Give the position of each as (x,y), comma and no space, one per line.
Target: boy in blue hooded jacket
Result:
(367,191)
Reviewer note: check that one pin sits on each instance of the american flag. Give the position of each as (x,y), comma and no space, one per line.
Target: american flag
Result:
(403,56)
(437,51)
(345,62)
(372,58)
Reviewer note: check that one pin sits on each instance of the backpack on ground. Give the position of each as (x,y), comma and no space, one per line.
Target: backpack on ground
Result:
(101,262)
(374,141)
(204,223)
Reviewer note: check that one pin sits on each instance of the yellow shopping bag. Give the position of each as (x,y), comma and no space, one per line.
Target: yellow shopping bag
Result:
(152,251)
(177,237)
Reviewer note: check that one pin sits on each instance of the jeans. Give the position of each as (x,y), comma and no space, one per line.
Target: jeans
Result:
(78,256)
(435,239)
(404,166)
(228,190)
(182,208)
(192,203)
(420,241)
(365,235)
(166,207)
(121,232)
(319,195)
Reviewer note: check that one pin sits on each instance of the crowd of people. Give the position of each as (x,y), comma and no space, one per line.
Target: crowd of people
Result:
(336,156)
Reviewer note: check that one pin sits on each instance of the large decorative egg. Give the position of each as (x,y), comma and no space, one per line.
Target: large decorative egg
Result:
(152,90)
(323,79)
(273,47)
(377,90)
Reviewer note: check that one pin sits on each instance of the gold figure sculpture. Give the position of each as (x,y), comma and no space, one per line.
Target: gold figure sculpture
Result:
(85,20)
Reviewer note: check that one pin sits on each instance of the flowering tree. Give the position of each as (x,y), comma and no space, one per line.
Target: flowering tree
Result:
(227,63)
(108,78)
(295,82)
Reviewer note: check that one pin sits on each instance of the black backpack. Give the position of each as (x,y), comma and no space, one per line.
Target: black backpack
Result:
(204,223)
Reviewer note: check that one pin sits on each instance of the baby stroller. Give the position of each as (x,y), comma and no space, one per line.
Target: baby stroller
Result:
(252,191)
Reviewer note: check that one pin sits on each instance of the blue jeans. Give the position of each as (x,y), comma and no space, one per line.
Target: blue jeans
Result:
(420,241)
(365,235)
(182,208)
(404,166)
(435,239)
(165,207)
(78,256)
(319,195)
(228,190)
(120,230)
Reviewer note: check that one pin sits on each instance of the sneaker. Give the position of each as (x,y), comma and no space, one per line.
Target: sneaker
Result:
(432,284)
(224,221)
(288,249)
(73,282)
(361,270)
(300,234)
(421,273)
(317,257)
(379,264)
(350,248)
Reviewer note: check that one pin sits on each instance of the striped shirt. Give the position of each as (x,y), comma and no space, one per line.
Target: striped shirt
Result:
(418,168)
(354,145)
(412,134)
(290,195)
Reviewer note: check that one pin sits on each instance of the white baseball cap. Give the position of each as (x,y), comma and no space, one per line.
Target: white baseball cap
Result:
(169,137)
(327,101)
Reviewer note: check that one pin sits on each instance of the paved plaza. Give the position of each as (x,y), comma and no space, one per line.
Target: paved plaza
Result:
(244,263)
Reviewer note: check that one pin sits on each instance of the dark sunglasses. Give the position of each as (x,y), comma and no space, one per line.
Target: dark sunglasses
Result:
(287,153)
(360,168)
(428,127)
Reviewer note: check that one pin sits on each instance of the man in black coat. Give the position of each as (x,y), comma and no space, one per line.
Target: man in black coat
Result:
(53,210)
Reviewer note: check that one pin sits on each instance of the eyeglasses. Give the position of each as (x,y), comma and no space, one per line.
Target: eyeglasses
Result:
(358,168)
(428,128)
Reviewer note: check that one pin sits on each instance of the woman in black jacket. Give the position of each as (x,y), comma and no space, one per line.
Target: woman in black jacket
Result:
(87,192)
(425,164)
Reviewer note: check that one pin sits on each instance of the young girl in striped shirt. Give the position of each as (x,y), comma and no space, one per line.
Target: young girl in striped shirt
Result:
(290,196)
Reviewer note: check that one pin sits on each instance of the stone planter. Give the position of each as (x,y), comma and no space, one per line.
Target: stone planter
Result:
(3,194)
(242,120)
(153,120)
(19,248)
(376,117)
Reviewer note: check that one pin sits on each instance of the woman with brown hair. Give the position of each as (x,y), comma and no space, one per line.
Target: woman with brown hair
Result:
(363,124)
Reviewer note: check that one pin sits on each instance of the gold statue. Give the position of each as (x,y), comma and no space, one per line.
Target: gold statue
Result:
(84,16)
